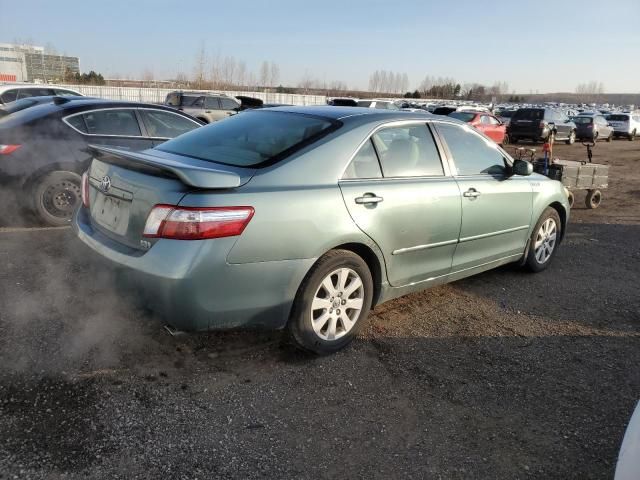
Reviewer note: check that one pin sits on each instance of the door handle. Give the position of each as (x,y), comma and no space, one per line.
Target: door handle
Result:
(471,193)
(368,198)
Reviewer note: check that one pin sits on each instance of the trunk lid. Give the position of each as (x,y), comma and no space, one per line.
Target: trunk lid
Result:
(125,186)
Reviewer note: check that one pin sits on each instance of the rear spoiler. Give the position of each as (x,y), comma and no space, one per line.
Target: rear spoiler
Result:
(196,173)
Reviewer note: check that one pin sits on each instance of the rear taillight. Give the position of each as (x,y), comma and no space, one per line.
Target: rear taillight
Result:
(542,124)
(196,223)
(85,189)
(8,149)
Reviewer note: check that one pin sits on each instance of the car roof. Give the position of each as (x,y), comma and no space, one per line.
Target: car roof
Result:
(11,86)
(68,106)
(340,113)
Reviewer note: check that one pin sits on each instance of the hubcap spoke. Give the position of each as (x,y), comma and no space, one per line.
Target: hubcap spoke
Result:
(321,303)
(331,328)
(354,304)
(328,286)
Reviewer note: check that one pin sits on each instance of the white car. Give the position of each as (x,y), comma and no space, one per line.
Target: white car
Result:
(625,124)
(16,91)
(628,467)
(380,104)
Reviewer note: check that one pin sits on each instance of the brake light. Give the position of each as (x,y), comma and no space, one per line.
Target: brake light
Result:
(196,223)
(85,189)
(542,124)
(8,149)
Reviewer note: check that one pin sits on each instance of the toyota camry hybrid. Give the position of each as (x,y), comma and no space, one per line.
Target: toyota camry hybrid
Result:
(305,218)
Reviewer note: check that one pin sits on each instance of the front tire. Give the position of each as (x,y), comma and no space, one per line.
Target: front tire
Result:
(56,196)
(544,240)
(332,303)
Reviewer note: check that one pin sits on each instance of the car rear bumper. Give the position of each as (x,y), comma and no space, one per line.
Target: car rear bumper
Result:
(193,288)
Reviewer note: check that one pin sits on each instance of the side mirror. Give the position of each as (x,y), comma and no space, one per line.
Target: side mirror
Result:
(522,168)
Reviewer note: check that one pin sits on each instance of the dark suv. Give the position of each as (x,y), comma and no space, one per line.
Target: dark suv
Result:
(541,124)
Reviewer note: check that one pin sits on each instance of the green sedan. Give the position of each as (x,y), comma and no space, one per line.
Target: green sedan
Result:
(305,218)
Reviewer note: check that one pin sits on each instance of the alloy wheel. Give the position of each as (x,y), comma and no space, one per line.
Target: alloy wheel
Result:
(545,240)
(337,304)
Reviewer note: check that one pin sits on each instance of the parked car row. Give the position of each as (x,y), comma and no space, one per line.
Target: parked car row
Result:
(43,145)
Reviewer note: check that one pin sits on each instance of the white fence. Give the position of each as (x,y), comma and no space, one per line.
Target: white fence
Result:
(158,95)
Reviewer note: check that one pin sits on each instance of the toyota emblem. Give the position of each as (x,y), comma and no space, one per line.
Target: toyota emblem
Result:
(105,184)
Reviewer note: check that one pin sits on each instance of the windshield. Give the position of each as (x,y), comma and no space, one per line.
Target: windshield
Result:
(364,103)
(507,113)
(582,120)
(252,139)
(464,116)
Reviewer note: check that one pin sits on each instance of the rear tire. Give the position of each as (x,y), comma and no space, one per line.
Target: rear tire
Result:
(632,136)
(596,135)
(513,140)
(56,196)
(544,240)
(571,199)
(610,138)
(572,138)
(322,320)
(594,199)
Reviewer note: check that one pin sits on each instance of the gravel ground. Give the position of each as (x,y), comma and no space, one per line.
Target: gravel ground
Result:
(505,375)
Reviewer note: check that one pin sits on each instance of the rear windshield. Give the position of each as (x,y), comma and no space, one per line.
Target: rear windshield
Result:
(582,120)
(507,113)
(19,105)
(250,139)
(464,116)
(528,114)
(619,118)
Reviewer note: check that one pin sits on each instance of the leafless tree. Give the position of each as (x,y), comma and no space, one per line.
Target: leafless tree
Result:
(200,66)
(274,74)
(265,73)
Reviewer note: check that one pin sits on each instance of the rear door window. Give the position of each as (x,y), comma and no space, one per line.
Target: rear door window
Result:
(34,92)
(472,154)
(408,151)
(365,163)
(228,104)
(122,123)
(162,124)
(212,103)
(65,93)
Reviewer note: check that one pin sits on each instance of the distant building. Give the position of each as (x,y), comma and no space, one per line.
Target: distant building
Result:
(26,63)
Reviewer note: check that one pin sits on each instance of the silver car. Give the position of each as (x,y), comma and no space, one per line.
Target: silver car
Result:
(305,218)
(204,106)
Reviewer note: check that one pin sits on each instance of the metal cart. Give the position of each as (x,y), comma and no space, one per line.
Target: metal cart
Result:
(587,176)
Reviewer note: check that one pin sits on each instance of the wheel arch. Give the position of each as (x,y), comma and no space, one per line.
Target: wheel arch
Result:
(558,207)
(32,179)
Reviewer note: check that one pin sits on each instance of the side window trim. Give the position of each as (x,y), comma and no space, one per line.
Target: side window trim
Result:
(135,113)
(454,171)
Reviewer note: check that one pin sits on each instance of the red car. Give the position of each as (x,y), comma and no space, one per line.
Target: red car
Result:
(486,123)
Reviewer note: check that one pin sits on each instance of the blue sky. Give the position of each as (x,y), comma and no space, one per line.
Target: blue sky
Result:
(517,41)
